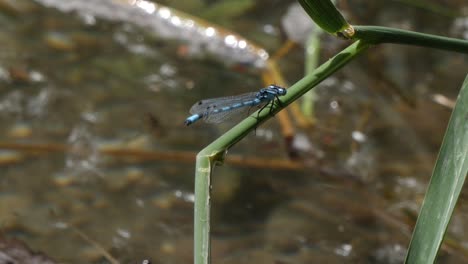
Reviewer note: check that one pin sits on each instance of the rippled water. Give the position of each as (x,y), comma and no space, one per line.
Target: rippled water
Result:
(76,85)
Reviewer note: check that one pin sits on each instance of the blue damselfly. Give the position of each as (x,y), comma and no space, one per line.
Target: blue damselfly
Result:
(217,110)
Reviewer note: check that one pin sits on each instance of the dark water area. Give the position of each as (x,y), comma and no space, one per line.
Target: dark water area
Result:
(80,81)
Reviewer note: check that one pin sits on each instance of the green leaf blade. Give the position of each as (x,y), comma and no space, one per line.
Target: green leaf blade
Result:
(324,14)
(444,188)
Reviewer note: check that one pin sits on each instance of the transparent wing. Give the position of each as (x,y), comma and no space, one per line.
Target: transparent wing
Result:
(236,113)
(208,106)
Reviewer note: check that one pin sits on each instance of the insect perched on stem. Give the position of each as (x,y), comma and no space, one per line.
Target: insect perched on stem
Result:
(217,110)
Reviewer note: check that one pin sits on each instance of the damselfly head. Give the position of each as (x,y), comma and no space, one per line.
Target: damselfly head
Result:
(278,89)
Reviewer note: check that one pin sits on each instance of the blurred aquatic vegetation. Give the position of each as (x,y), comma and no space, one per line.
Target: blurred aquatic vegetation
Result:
(300,29)
(431,6)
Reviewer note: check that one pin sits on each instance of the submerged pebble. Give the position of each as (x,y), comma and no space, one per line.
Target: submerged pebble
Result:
(19,74)
(59,41)
(164,200)
(8,157)
(20,131)
(168,248)
(123,179)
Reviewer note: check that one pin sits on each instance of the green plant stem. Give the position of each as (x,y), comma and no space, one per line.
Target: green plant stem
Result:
(379,35)
(214,153)
(202,205)
(311,62)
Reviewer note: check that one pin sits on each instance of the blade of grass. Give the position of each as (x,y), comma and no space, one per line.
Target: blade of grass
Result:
(325,14)
(444,188)
(312,56)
